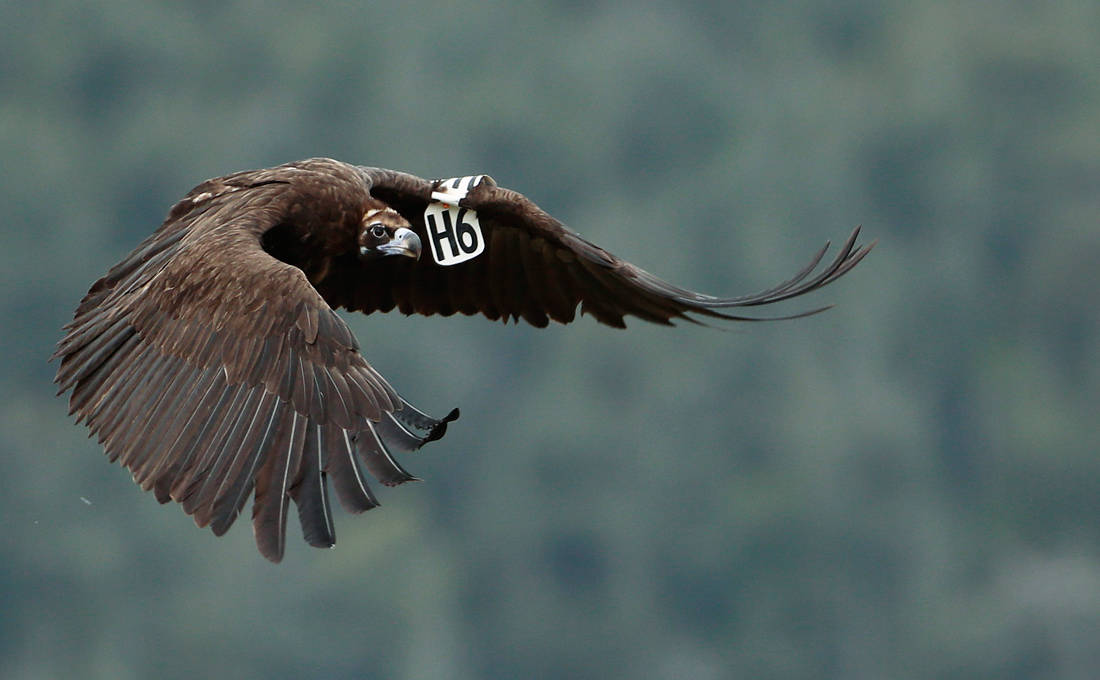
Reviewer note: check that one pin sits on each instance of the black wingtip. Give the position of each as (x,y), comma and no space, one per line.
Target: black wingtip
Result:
(440,428)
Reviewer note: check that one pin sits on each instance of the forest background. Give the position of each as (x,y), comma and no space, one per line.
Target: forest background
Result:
(906,486)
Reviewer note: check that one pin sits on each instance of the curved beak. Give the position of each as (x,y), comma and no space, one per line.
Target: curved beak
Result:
(405,242)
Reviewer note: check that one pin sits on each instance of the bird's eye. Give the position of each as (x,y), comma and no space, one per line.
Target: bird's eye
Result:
(377,230)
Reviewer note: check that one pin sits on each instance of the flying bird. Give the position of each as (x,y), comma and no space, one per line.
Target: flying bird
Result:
(210,361)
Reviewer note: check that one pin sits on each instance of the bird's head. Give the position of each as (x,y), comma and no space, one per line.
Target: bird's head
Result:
(383,231)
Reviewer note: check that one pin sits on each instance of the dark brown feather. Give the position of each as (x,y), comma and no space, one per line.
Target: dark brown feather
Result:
(277,471)
(341,463)
(310,493)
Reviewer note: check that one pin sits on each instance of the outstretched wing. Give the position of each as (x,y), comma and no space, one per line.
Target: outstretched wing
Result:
(211,369)
(530,266)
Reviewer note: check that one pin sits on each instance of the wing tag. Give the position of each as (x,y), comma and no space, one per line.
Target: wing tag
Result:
(454,233)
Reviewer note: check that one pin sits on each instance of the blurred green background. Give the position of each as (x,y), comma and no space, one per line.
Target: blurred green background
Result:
(907,486)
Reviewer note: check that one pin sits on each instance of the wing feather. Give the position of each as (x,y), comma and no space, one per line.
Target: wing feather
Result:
(216,372)
(497,274)
(237,479)
(272,487)
(535,268)
(338,452)
(378,460)
(179,452)
(162,384)
(310,492)
(203,454)
(161,441)
(233,449)
(89,391)
(118,409)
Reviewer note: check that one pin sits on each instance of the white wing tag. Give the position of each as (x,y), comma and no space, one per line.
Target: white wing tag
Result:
(454,233)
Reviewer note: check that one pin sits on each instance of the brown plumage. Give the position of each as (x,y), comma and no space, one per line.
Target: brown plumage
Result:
(211,364)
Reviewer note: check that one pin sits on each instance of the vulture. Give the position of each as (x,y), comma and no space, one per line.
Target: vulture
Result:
(210,361)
